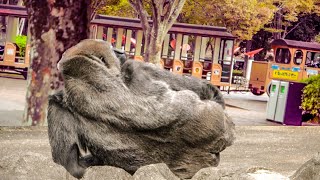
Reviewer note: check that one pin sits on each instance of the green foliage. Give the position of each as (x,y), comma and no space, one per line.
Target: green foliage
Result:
(117,8)
(311,96)
(21,41)
(237,72)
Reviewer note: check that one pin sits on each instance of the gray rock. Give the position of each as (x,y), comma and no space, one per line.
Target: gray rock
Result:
(154,172)
(30,165)
(309,170)
(106,172)
(210,173)
(213,173)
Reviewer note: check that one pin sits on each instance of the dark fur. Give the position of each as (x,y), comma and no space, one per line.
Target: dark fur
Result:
(143,116)
(136,73)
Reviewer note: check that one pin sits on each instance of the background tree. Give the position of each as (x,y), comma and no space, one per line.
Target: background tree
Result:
(55,26)
(163,14)
(120,8)
(286,13)
(242,18)
(306,28)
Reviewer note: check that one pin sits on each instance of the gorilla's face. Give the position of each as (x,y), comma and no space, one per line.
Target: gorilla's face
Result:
(94,49)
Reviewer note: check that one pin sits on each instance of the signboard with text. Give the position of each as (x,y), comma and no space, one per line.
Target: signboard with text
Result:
(285,74)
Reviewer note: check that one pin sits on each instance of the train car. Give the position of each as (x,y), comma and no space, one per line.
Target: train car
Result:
(11,57)
(201,51)
(192,50)
(293,61)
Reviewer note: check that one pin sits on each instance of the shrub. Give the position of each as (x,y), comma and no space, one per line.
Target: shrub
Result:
(21,42)
(311,96)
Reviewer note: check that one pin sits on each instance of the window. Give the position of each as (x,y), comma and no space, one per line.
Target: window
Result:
(187,48)
(283,55)
(226,50)
(298,57)
(209,53)
(313,59)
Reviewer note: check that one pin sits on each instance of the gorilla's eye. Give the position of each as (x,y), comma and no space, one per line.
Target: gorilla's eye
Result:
(102,59)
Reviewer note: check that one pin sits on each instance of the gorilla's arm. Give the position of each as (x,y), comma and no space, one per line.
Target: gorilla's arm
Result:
(116,105)
(93,92)
(63,137)
(134,72)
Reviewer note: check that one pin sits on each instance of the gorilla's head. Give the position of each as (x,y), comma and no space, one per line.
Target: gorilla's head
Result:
(89,55)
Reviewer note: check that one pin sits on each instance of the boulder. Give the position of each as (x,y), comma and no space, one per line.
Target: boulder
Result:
(309,170)
(30,165)
(106,172)
(154,172)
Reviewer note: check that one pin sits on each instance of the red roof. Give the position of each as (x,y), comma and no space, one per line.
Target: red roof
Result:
(252,53)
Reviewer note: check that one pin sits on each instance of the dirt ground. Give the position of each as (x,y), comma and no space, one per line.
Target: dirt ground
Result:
(25,152)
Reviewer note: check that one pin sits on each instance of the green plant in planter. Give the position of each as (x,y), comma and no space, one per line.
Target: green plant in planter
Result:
(311,96)
(21,41)
(237,73)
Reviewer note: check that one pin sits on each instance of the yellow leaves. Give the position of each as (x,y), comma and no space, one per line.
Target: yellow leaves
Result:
(291,8)
(317,38)
(117,8)
(242,17)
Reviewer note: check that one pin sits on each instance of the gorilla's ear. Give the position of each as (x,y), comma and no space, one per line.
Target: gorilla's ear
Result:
(121,55)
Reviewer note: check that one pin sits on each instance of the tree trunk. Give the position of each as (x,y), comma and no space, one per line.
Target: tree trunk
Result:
(277,24)
(55,26)
(154,51)
(156,38)
(164,14)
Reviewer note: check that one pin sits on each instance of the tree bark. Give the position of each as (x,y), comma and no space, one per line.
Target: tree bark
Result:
(277,24)
(55,26)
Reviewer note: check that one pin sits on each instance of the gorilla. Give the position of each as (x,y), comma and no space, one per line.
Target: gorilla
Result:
(133,115)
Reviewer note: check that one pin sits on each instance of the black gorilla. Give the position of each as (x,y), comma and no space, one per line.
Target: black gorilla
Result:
(133,117)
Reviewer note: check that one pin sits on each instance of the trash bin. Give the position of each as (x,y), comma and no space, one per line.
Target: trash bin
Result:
(273,98)
(284,102)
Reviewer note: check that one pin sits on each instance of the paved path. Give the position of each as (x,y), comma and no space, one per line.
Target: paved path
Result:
(12,101)
(245,109)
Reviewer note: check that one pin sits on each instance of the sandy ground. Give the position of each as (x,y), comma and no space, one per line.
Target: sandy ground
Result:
(25,152)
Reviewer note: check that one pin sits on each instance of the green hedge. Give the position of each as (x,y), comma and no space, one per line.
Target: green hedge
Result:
(311,96)
(21,41)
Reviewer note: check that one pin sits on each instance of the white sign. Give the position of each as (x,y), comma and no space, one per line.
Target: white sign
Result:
(10,51)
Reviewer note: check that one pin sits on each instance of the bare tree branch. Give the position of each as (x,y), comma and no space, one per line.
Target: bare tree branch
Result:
(285,34)
(143,14)
(95,5)
(174,11)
